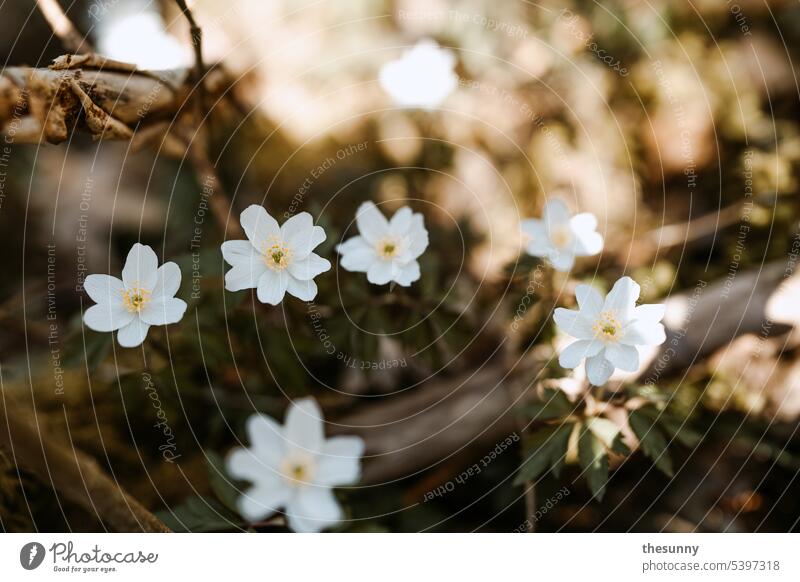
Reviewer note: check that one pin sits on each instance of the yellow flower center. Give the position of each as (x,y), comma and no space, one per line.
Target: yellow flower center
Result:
(607,326)
(388,248)
(561,236)
(298,470)
(135,299)
(277,256)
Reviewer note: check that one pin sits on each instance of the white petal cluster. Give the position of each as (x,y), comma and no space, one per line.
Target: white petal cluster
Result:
(145,296)
(560,237)
(423,77)
(609,329)
(386,250)
(275,260)
(294,468)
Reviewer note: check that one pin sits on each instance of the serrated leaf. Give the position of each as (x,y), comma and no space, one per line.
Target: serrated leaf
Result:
(652,440)
(594,462)
(546,449)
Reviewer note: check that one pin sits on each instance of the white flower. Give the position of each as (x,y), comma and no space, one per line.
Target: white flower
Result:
(560,237)
(386,250)
(275,260)
(422,77)
(144,297)
(295,468)
(609,330)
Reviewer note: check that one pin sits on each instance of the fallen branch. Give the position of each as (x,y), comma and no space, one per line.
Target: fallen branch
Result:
(442,418)
(72,473)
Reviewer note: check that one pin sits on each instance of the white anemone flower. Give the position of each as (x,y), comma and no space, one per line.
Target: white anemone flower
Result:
(294,468)
(276,259)
(609,330)
(423,77)
(145,296)
(560,237)
(386,250)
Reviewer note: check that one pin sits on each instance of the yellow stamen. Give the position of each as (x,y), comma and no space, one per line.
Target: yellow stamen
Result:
(135,299)
(297,470)
(607,326)
(388,248)
(561,236)
(277,256)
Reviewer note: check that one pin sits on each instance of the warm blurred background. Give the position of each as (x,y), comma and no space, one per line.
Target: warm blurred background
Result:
(675,123)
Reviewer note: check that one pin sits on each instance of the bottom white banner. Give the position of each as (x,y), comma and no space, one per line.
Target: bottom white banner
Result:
(355,557)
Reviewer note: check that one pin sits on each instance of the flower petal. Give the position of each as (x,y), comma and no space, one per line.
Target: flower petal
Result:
(408,274)
(266,438)
(623,357)
(303,428)
(417,237)
(238,251)
(583,222)
(622,298)
(533,228)
(141,268)
(573,323)
(650,312)
(556,212)
(589,300)
(598,369)
(164,312)
(313,510)
(372,224)
(246,464)
(248,265)
(300,234)
(104,288)
(309,267)
(259,226)
(272,286)
(168,281)
(572,355)
(644,333)
(539,248)
(107,317)
(562,259)
(340,461)
(588,243)
(133,334)
(380,272)
(303,290)
(357,255)
(400,223)
(262,500)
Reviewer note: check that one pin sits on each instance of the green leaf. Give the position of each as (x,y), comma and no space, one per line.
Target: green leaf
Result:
(554,404)
(679,431)
(221,484)
(620,447)
(652,440)
(546,449)
(200,514)
(593,459)
(603,429)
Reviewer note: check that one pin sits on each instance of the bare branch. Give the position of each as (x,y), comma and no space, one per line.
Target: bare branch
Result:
(62,27)
(72,473)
